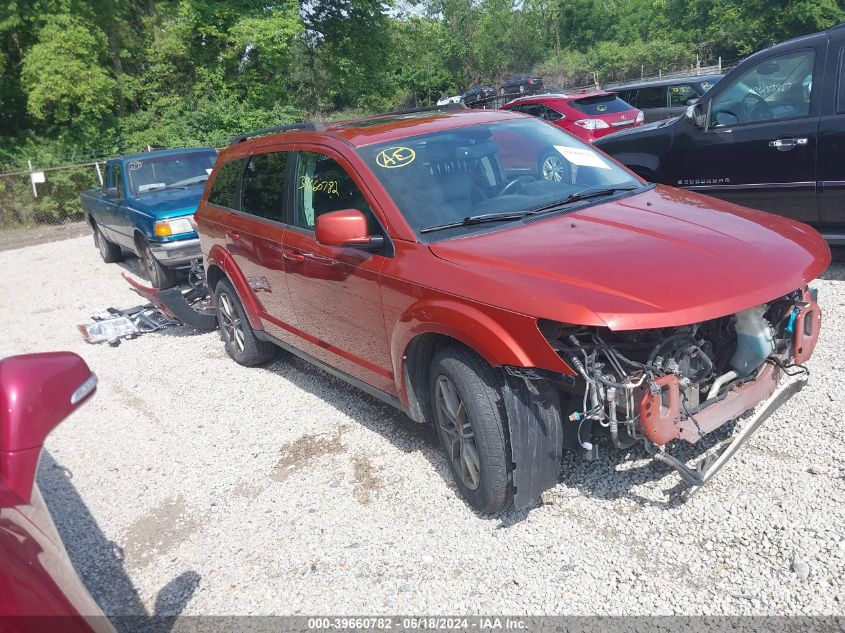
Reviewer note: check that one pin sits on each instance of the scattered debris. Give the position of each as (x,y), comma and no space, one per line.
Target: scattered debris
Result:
(114,325)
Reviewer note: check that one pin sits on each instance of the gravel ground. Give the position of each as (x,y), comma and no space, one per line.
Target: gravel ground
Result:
(191,484)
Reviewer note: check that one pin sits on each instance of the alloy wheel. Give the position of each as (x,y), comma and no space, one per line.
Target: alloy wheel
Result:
(454,423)
(230,321)
(554,169)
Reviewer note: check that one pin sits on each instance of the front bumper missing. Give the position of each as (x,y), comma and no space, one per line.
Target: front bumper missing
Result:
(707,468)
(178,305)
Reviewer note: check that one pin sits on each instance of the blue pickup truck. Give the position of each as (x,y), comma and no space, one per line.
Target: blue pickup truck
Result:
(146,207)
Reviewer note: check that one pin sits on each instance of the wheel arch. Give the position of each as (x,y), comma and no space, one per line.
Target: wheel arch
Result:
(138,239)
(220,265)
(429,326)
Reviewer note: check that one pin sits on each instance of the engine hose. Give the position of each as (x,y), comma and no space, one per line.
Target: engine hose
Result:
(665,342)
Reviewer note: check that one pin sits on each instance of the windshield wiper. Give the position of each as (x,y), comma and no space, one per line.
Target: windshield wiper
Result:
(584,194)
(477,219)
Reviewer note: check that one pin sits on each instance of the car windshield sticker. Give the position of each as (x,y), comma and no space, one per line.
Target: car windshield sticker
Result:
(393,157)
(584,157)
(134,165)
(601,108)
(328,187)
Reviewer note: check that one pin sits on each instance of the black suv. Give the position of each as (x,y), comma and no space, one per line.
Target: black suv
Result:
(665,98)
(770,135)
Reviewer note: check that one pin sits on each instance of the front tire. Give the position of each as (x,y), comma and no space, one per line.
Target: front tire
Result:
(469,418)
(238,336)
(161,277)
(110,252)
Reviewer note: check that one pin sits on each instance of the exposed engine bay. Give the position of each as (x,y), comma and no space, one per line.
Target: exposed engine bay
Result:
(658,385)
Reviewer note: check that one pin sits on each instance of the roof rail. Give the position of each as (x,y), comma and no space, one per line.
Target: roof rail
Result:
(435,108)
(310,126)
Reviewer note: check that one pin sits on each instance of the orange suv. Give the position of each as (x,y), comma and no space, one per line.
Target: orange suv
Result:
(429,259)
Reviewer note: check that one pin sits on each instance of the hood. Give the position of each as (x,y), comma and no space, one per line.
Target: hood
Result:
(661,258)
(168,203)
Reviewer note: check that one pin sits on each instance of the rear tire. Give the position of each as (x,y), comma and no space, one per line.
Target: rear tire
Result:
(238,336)
(469,418)
(161,277)
(110,252)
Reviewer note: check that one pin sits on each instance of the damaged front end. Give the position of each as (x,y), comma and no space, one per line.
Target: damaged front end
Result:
(190,307)
(680,383)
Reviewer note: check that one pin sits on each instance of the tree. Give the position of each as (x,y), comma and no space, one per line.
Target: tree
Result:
(64,76)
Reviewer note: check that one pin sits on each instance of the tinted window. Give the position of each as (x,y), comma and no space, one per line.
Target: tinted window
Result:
(601,104)
(552,114)
(322,185)
(775,88)
(262,189)
(629,96)
(225,186)
(840,99)
(681,93)
(705,85)
(534,109)
(654,97)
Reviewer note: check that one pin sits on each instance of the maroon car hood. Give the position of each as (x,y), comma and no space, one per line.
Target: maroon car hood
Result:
(661,258)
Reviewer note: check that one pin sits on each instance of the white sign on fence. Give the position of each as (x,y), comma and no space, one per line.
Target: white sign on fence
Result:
(37,177)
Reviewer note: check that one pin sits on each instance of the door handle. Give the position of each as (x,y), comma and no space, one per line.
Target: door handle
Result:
(786,144)
(233,235)
(293,256)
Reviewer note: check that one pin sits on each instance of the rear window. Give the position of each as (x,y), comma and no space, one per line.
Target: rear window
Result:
(601,104)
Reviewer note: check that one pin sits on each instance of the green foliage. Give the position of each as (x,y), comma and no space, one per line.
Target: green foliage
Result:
(85,78)
(64,75)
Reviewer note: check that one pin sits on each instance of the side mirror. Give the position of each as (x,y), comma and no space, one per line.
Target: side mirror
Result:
(697,113)
(37,392)
(346,228)
(111,193)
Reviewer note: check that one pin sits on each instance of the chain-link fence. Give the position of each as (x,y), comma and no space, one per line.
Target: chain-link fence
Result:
(45,196)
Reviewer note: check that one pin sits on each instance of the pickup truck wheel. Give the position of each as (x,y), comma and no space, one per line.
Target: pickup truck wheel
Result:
(160,276)
(241,343)
(110,253)
(469,418)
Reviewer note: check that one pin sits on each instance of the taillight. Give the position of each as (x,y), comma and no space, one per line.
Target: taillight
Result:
(640,117)
(592,124)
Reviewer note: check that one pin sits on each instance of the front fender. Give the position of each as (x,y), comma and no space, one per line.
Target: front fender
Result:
(500,337)
(218,256)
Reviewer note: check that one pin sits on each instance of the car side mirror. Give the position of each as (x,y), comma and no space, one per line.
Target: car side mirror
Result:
(111,193)
(697,113)
(37,392)
(346,228)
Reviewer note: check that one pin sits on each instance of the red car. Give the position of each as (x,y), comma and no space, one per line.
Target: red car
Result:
(39,589)
(427,258)
(588,114)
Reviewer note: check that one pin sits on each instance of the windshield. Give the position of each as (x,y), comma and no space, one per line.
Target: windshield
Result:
(504,167)
(170,172)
